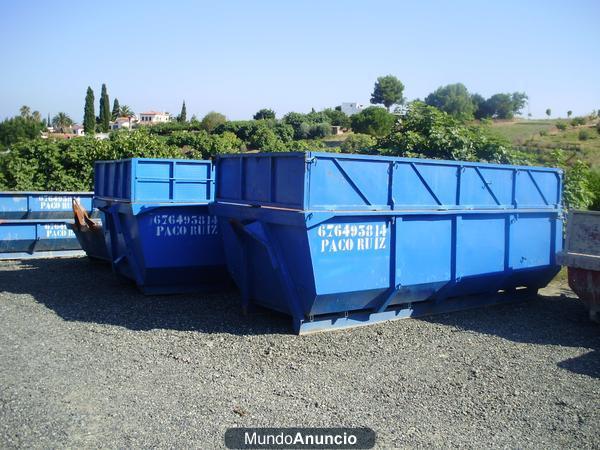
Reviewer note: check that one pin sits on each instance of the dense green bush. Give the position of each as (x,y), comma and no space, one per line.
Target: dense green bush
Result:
(584,135)
(358,143)
(18,128)
(426,132)
(374,121)
(578,121)
(562,126)
(577,183)
(594,185)
(309,126)
(63,165)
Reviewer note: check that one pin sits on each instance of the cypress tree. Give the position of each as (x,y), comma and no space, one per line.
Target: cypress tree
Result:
(183,115)
(89,116)
(104,110)
(116,109)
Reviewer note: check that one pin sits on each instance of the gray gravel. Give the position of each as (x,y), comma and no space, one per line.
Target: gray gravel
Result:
(86,361)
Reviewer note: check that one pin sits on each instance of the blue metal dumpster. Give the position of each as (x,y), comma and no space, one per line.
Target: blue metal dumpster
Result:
(345,240)
(37,238)
(158,229)
(42,205)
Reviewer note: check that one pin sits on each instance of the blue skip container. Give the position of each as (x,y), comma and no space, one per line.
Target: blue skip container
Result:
(42,205)
(346,240)
(37,238)
(158,229)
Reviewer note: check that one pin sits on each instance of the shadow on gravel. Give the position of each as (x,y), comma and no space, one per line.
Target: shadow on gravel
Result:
(547,320)
(79,289)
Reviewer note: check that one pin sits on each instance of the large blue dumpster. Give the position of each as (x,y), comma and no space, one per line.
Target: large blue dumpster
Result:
(42,205)
(37,238)
(386,238)
(158,229)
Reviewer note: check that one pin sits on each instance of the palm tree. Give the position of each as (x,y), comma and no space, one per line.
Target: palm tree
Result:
(125,111)
(36,116)
(25,111)
(62,121)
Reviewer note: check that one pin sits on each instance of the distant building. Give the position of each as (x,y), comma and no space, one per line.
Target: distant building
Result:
(337,130)
(152,117)
(123,122)
(77,130)
(352,108)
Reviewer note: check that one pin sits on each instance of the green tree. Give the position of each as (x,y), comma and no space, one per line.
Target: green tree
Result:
(426,132)
(569,113)
(453,99)
(25,111)
(61,121)
(212,120)
(337,118)
(104,110)
(500,106)
(116,109)
(548,112)
(388,91)
(36,116)
(89,116)
(183,114)
(266,140)
(357,143)
(374,121)
(264,114)
(17,129)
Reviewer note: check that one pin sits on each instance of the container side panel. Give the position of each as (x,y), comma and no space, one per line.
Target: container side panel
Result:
(180,237)
(153,180)
(257,179)
(476,191)
(530,242)
(424,250)
(193,181)
(289,190)
(409,189)
(528,192)
(499,183)
(547,183)
(369,179)
(16,237)
(480,245)
(229,178)
(332,187)
(12,205)
(293,247)
(351,254)
(441,180)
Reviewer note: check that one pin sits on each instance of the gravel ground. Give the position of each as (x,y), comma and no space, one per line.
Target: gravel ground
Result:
(86,361)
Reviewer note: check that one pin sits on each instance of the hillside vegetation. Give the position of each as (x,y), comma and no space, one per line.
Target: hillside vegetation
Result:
(541,137)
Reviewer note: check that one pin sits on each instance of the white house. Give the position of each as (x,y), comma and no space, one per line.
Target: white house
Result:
(152,117)
(122,122)
(77,130)
(352,108)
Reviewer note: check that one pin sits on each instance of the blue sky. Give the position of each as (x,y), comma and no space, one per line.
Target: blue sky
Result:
(236,57)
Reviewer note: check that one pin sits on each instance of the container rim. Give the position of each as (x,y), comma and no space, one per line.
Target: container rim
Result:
(46,192)
(173,160)
(308,156)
